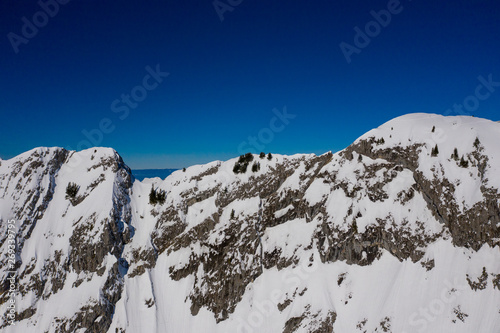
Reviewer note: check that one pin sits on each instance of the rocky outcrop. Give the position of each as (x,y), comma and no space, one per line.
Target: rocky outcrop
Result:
(472,227)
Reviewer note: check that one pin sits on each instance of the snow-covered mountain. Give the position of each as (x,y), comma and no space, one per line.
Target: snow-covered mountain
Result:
(399,232)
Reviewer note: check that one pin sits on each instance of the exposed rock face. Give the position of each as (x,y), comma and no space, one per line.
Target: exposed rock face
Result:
(311,323)
(69,240)
(34,177)
(297,245)
(471,227)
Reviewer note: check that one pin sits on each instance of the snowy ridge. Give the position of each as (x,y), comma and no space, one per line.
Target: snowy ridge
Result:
(387,235)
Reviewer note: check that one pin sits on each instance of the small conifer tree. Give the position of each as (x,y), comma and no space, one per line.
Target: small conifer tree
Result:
(161,195)
(157,196)
(152,196)
(477,143)
(463,162)
(435,151)
(71,190)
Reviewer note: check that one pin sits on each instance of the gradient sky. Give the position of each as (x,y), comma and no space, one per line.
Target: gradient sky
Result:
(226,77)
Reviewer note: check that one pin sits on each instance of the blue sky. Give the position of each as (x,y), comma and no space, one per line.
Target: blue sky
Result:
(227,80)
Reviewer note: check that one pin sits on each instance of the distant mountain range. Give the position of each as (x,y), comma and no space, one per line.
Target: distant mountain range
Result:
(152,173)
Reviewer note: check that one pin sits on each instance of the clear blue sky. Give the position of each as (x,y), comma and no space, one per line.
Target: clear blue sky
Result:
(226,77)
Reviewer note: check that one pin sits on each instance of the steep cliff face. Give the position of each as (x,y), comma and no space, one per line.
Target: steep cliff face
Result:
(68,264)
(399,232)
